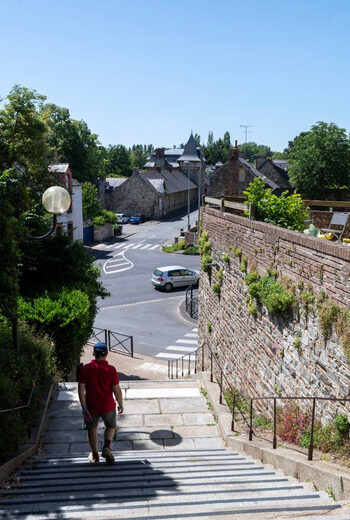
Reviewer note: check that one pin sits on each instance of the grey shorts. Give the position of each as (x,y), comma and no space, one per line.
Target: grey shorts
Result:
(108,418)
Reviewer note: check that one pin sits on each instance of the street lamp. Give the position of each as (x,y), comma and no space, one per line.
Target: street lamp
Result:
(56,200)
(188,195)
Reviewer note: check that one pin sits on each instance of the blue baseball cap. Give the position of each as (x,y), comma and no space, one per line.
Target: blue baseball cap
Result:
(101,348)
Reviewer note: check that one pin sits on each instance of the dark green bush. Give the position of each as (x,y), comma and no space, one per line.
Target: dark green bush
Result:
(17,374)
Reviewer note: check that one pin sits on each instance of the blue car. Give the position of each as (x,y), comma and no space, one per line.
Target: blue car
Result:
(137,219)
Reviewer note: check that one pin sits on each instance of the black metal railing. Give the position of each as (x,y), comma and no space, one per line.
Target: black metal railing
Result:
(115,341)
(192,301)
(197,359)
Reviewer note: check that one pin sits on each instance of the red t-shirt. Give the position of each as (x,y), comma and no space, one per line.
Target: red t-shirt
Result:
(99,377)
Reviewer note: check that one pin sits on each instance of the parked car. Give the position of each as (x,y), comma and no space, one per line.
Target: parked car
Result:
(122,218)
(172,276)
(137,219)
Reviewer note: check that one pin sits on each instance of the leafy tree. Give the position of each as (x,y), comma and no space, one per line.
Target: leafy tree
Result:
(286,211)
(74,143)
(23,138)
(251,151)
(279,155)
(216,151)
(59,286)
(91,204)
(320,160)
(139,154)
(197,139)
(118,161)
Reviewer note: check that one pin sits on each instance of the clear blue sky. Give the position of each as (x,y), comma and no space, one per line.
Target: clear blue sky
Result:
(149,71)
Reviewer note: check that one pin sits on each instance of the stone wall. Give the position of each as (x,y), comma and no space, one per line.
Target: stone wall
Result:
(259,353)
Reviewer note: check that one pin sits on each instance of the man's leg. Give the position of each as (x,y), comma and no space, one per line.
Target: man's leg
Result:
(110,423)
(93,439)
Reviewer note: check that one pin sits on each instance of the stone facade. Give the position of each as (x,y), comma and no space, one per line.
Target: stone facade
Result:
(276,174)
(259,353)
(137,195)
(233,177)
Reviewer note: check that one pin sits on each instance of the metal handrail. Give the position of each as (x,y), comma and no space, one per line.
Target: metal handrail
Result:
(235,404)
(30,395)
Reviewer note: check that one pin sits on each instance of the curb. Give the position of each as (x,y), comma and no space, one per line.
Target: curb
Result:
(10,466)
(324,476)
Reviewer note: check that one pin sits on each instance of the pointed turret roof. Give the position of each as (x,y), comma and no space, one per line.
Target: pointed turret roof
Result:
(190,152)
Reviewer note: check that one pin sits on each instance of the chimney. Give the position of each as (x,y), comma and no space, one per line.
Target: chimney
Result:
(159,153)
(233,153)
(135,171)
(259,161)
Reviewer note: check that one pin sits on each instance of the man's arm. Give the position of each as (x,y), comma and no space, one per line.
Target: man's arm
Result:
(82,399)
(119,397)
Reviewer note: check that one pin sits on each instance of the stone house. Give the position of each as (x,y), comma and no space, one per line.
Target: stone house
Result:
(169,179)
(72,220)
(273,171)
(154,194)
(233,177)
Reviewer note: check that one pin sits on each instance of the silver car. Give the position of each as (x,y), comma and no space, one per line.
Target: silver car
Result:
(172,276)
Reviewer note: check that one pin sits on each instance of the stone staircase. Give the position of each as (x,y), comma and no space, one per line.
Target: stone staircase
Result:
(170,463)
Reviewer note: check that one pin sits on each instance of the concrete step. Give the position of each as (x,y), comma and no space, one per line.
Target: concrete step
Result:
(170,464)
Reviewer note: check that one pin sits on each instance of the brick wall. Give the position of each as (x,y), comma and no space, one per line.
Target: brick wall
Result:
(322,219)
(258,353)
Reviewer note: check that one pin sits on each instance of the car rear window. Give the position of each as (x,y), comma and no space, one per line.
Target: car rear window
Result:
(157,272)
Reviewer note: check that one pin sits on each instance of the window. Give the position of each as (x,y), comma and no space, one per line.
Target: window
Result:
(174,273)
(241,175)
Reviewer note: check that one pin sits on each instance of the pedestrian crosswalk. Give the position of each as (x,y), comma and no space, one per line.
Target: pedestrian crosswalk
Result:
(185,346)
(123,246)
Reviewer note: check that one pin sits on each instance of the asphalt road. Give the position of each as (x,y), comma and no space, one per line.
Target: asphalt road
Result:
(134,307)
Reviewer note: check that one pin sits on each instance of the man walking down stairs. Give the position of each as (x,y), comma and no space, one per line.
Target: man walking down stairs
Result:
(170,463)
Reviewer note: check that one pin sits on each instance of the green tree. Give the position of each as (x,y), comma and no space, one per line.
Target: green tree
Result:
(119,161)
(320,160)
(251,151)
(74,143)
(91,205)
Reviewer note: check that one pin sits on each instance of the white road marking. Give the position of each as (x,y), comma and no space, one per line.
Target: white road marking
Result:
(190,335)
(173,356)
(189,341)
(146,246)
(137,246)
(181,349)
(142,303)
(195,329)
(123,244)
(117,257)
(154,247)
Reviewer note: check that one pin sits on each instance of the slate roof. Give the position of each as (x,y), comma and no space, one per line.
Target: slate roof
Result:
(115,182)
(256,173)
(167,182)
(59,168)
(190,152)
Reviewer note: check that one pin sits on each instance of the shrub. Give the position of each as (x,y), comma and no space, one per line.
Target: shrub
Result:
(205,261)
(251,277)
(270,293)
(191,250)
(292,422)
(286,210)
(217,287)
(105,217)
(244,264)
(17,374)
(209,326)
(226,258)
(65,316)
